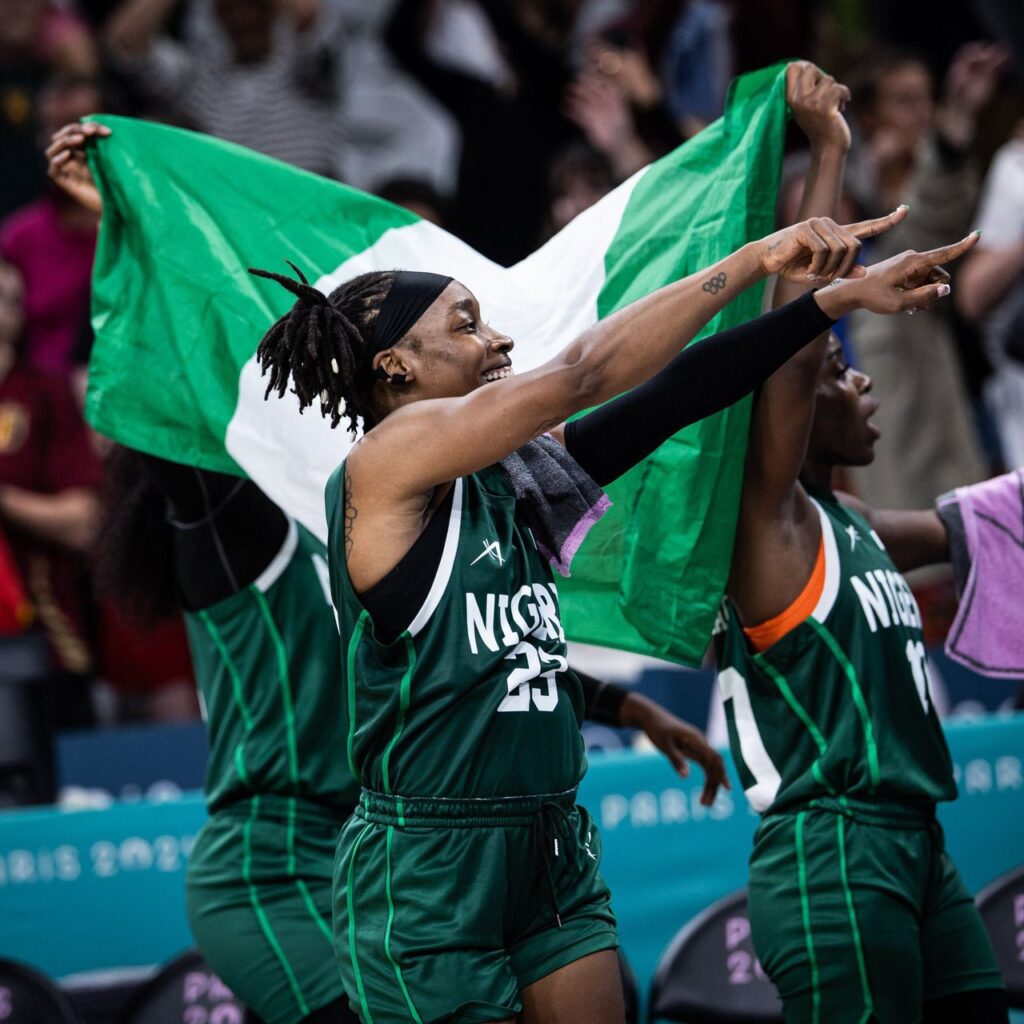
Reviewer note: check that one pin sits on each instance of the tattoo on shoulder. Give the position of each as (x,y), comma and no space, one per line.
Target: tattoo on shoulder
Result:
(715,284)
(349,513)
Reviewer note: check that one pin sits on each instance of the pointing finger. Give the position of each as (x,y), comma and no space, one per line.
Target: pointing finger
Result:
(870,228)
(951,252)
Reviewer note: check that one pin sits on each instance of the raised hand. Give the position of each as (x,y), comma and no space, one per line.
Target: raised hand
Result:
(969,86)
(819,249)
(905,283)
(68,166)
(817,101)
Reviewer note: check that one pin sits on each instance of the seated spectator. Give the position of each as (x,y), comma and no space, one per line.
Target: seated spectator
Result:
(52,241)
(49,476)
(271,84)
(991,291)
(37,39)
(917,153)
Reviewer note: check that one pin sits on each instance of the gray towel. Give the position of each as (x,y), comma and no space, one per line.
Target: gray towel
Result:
(558,500)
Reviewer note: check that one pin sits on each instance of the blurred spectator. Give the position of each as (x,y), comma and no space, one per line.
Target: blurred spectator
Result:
(914,152)
(147,669)
(579,177)
(510,125)
(766,31)
(675,62)
(48,503)
(991,290)
(36,39)
(599,103)
(391,127)
(52,242)
(270,84)
(416,195)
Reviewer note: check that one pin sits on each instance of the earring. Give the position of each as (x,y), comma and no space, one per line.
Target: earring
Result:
(397,379)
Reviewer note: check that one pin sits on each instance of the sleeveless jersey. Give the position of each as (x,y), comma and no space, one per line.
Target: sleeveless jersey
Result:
(839,706)
(475,698)
(266,665)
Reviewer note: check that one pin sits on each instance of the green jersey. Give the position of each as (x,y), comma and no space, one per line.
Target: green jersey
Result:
(266,664)
(475,697)
(839,706)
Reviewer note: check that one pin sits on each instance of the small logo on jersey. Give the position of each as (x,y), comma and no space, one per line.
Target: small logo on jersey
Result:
(491,550)
(851,532)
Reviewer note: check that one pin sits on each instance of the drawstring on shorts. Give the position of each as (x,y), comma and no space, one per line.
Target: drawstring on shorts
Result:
(551,823)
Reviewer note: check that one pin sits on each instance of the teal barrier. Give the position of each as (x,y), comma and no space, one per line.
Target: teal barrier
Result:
(98,890)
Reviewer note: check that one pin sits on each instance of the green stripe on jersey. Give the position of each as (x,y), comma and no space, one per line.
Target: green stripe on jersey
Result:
(862,969)
(261,916)
(805,911)
(352,944)
(284,679)
(387,931)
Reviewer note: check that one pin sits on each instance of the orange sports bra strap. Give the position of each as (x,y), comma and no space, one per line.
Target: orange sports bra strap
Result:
(767,633)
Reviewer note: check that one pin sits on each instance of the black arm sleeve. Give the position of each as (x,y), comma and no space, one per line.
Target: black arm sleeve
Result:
(227,531)
(703,379)
(602,702)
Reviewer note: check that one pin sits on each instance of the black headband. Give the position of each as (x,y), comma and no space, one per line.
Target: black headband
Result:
(409,298)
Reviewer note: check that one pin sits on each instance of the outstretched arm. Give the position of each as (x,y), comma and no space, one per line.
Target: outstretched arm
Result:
(431,442)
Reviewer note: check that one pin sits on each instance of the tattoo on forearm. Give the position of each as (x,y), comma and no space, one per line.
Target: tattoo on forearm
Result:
(715,284)
(349,514)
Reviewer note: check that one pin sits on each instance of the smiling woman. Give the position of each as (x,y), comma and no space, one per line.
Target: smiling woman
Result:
(462,715)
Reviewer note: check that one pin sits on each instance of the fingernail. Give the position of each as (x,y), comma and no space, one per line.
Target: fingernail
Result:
(943,290)
(977,231)
(902,206)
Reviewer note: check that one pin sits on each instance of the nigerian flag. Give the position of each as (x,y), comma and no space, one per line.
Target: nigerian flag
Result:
(177,321)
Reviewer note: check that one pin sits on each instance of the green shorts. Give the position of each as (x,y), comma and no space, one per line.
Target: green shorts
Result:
(258,895)
(857,913)
(444,910)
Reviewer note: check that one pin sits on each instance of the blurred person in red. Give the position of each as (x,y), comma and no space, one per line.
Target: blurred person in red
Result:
(917,151)
(37,39)
(264,76)
(51,241)
(145,670)
(49,476)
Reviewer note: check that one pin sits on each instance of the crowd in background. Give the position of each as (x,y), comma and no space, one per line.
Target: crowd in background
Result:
(501,120)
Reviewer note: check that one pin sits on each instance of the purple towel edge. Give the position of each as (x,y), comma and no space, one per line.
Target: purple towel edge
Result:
(562,562)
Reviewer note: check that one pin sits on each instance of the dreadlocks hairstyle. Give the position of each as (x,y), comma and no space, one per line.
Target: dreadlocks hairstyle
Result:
(322,344)
(134,553)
